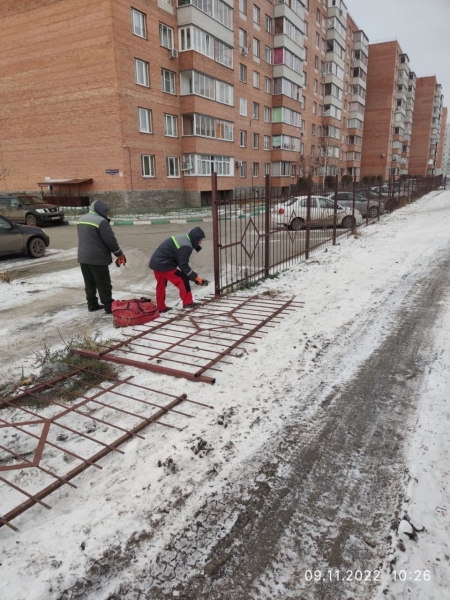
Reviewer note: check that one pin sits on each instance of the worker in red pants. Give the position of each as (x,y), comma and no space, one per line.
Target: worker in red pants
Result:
(170,262)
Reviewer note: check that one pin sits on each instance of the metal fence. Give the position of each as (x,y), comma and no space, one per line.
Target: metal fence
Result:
(254,235)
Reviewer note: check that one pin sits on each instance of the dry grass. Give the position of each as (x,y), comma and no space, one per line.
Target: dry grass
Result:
(7,276)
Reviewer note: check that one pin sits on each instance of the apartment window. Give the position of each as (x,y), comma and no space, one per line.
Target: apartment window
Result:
(267,85)
(317,39)
(145,120)
(305,78)
(192,38)
(170,126)
(193,82)
(223,54)
(267,142)
(306,54)
(168,81)
(305,28)
(316,62)
(255,114)
(165,36)
(243,169)
(266,168)
(318,16)
(256,14)
(243,107)
(266,114)
(173,166)
(148,165)
(256,141)
(313,129)
(268,55)
(242,39)
(316,85)
(243,6)
(141,72)
(224,92)
(314,108)
(255,172)
(268,23)
(243,139)
(304,102)
(243,73)
(256,79)
(138,23)
(256,48)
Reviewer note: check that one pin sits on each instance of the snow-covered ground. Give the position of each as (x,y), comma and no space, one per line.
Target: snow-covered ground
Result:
(252,401)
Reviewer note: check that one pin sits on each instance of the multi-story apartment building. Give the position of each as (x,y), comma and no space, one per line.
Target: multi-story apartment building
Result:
(446,153)
(142,101)
(426,133)
(440,153)
(389,111)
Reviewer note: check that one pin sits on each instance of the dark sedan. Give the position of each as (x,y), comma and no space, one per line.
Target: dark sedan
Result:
(22,239)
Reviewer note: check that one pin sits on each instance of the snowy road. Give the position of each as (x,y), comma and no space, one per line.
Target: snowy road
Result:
(328,439)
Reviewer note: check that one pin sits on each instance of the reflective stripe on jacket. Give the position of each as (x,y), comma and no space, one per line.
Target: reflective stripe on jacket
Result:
(174,253)
(96,240)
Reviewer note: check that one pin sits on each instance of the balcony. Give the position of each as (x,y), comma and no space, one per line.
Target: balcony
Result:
(333,34)
(285,71)
(404,60)
(337,8)
(361,41)
(409,116)
(281,40)
(188,14)
(282,9)
(400,110)
(403,77)
(412,79)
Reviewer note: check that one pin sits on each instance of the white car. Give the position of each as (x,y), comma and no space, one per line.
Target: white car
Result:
(292,214)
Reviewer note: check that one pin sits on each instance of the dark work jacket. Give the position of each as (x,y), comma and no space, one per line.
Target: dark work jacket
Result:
(96,239)
(174,253)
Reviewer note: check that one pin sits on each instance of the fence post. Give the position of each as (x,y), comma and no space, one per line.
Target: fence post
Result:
(368,204)
(308,216)
(216,241)
(267,228)
(336,192)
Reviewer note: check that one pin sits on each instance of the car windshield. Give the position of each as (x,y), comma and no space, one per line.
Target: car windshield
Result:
(28,200)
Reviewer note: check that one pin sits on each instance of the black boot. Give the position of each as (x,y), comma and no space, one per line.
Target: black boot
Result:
(94,308)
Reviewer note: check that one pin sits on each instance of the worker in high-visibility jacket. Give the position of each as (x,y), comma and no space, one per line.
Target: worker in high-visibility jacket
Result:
(96,243)
(170,262)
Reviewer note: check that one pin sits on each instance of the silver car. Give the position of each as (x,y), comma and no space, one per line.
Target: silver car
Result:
(292,214)
(376,207)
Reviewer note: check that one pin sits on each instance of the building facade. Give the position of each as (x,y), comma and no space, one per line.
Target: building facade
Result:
(446,153)
(391,88)
(426,134)
(147,98)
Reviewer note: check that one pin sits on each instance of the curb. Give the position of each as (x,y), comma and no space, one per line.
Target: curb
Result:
(120,222)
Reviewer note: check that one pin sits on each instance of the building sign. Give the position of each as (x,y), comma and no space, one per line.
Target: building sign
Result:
(111,171)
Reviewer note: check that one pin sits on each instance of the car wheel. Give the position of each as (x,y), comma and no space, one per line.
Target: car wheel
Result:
(296,224)
(31,220)
(373,212)
(348,222)
(36,247)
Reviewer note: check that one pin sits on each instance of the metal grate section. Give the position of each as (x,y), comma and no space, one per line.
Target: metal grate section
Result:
(192,344)
(49,434)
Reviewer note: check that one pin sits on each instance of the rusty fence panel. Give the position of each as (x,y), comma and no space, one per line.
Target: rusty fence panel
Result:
(257,234)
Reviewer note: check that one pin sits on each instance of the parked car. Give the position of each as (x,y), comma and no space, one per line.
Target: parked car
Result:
(292,214)
(345,199)
(22,239)
(32,210)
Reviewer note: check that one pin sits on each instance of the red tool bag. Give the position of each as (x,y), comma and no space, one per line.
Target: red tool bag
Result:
(133,312)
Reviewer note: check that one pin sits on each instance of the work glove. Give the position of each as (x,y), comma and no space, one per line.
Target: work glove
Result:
(121,260)
(200,281)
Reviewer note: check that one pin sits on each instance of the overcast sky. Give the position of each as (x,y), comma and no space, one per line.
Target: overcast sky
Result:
(422,28)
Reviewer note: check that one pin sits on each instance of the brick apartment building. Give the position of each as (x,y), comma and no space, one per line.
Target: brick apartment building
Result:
(427,134)
(446,153)
(391,89)
(440,153)
(141,100)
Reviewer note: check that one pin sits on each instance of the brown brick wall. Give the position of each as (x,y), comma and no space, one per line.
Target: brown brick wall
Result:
(59,97)
(421,129)
(378,122)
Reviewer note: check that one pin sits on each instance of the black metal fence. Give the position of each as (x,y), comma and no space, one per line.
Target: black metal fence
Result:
(255,236)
